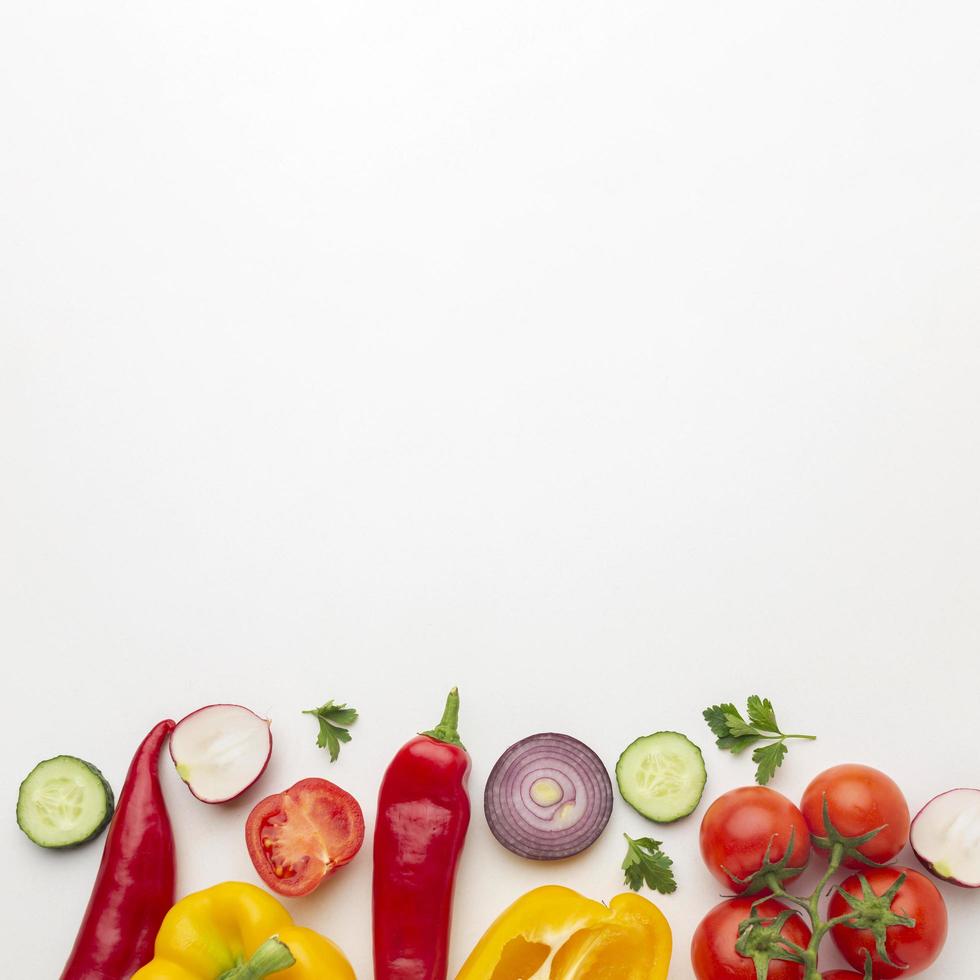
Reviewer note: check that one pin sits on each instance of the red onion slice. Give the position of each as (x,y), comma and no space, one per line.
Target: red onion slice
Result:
(549,796)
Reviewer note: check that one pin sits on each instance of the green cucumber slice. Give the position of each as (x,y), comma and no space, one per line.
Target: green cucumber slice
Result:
(662,776)
(64,802)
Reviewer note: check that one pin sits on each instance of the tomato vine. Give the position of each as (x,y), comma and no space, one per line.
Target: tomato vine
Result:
(760,937)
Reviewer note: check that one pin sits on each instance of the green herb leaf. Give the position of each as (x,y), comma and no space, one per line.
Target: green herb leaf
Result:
(717,718)
(739,728)
(762,715)
(334,719)
(769,758)
(646,864)
(734,734)
(730,728)
(737,745)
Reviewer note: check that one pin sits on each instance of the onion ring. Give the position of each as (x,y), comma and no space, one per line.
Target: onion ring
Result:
(548,797)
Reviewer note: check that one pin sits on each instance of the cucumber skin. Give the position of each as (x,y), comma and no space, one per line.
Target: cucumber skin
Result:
(109,810)
(645,816)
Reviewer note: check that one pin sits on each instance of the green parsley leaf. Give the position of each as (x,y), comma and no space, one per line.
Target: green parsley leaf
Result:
(734,734)
(769,758)
(739,728)
(646,864)
(729,728)
(334,719)
(762,715)
(717,718)
(737,745)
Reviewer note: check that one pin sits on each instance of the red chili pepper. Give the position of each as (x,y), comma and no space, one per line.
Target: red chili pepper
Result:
(423,813)
(134,888)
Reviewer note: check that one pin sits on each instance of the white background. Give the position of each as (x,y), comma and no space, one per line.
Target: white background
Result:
(604,360)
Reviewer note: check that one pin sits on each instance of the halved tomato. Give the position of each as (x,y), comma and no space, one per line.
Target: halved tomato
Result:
(303,835)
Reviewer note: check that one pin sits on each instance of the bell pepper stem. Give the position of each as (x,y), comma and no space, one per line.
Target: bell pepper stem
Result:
(271,957)
(448,729)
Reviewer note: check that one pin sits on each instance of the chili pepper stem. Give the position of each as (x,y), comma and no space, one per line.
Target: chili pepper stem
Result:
(271,957)
(448,728)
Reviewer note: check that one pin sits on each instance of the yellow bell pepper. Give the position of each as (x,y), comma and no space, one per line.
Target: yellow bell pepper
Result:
(553,933)
(236,931)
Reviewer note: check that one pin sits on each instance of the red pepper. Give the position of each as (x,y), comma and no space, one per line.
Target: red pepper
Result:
(135,885)
(423,813)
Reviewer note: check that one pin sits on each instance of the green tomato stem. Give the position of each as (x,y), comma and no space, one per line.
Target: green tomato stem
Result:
(811,905)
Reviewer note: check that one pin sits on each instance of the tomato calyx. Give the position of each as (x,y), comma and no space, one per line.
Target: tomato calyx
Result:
(847,847)
(873,912)
(760,939)
(772,873)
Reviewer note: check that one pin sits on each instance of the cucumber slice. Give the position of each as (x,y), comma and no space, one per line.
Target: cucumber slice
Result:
(662,776)
(64,802)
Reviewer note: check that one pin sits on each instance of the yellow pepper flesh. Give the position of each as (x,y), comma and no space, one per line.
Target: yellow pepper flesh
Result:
(216,932)
(553,933)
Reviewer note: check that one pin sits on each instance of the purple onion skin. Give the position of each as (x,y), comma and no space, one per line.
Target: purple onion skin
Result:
(548,797)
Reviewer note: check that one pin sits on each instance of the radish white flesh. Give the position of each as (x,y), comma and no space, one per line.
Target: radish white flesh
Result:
(946,837)
(221,750)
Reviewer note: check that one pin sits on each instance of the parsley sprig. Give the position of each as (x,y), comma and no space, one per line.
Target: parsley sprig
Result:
(334,719)
(646,864)
(735,734)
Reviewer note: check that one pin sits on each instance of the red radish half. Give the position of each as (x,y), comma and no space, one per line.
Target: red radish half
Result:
(221,750)
(946,837)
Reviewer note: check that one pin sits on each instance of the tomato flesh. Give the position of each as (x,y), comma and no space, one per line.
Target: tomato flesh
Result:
(914,946)
(299,837)
(741,825)
(859,799)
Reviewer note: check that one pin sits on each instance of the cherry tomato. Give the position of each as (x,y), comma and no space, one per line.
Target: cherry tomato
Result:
(860,799)
(842,975)
(713,953)
(914,946)
(297,838)
(741,824)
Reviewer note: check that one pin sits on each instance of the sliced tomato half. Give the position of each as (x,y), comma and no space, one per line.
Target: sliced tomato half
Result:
(303,835)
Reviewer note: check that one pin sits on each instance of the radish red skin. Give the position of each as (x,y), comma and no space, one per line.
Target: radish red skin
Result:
(936,864)
(247,786)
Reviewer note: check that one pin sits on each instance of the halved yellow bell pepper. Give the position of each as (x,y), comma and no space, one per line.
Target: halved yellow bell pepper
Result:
(553,933)
(236,931)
